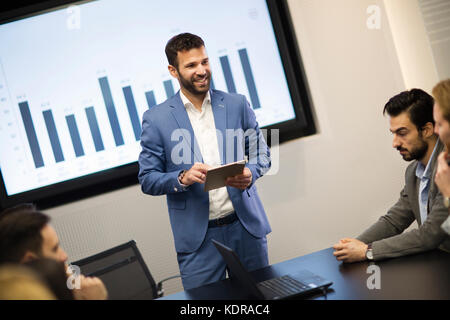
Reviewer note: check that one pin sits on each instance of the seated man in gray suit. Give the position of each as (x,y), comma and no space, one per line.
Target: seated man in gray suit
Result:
(411,123)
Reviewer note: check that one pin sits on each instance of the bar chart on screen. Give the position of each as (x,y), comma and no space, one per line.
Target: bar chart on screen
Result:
(76,145)
(113,121)
(54,141)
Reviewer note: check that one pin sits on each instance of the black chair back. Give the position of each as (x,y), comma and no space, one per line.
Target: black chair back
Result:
(123,271)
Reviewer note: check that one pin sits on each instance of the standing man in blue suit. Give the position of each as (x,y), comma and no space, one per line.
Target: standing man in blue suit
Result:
(181,139)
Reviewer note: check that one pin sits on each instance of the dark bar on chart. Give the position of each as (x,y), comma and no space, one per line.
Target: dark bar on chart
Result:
(53,135)
(168,86)
(95,130)
(111,110)
(75,135)
(31,134)
(151,101)
(249,78)
(132,111)
(227,74)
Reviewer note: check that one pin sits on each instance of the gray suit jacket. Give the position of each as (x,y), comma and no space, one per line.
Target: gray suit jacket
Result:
(387,236)
(446,225)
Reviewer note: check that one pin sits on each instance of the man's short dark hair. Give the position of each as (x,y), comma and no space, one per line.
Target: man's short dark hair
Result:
(20,231)
(179,43)
(26,207)
(416,102)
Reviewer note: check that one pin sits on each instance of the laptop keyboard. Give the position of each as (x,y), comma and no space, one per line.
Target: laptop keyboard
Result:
(284,286)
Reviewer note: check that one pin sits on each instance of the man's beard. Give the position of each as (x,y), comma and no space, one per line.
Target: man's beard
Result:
(190,86)
(416,153)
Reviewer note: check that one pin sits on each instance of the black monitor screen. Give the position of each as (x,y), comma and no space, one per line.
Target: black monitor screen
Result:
(75,80)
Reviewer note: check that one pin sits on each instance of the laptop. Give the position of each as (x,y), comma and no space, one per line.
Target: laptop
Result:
(299,283)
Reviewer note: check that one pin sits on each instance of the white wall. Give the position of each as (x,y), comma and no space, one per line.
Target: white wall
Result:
(436,18)
(329,185)
(412,44)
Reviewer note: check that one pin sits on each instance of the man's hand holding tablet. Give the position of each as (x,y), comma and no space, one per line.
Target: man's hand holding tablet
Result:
(240,181)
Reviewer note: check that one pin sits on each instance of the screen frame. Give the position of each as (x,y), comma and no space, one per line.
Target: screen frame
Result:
(126,175)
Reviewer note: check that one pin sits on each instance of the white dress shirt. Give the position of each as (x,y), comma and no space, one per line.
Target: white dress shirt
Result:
(204,127)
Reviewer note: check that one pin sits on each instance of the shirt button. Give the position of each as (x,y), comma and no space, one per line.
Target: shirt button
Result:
(175,189)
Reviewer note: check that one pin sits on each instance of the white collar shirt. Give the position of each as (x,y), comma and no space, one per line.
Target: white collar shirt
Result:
(204,127)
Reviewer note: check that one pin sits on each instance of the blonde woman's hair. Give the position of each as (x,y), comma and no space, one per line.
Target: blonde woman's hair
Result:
(20,283)
(441,93)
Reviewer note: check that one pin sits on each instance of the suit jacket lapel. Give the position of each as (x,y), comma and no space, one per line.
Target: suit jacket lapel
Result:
(433,188)
(180,114)
(220,120)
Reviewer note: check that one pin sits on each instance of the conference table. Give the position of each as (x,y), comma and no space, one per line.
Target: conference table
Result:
(420,276)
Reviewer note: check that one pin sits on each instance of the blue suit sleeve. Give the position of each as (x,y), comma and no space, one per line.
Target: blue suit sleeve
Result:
(256,148)
(152,176)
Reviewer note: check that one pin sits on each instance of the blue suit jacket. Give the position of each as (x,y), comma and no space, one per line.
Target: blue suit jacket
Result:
(167,135)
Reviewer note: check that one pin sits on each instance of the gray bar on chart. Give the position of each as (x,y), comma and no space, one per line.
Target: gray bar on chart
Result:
(31,134)
(249,79)
(151,101)
(53,135)
(111,110)
(168,86)
(95,131)
(132,111)
(75,135)
(227,74)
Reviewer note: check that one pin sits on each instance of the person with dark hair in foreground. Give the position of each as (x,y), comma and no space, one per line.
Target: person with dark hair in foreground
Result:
(411,123)
(26,235)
